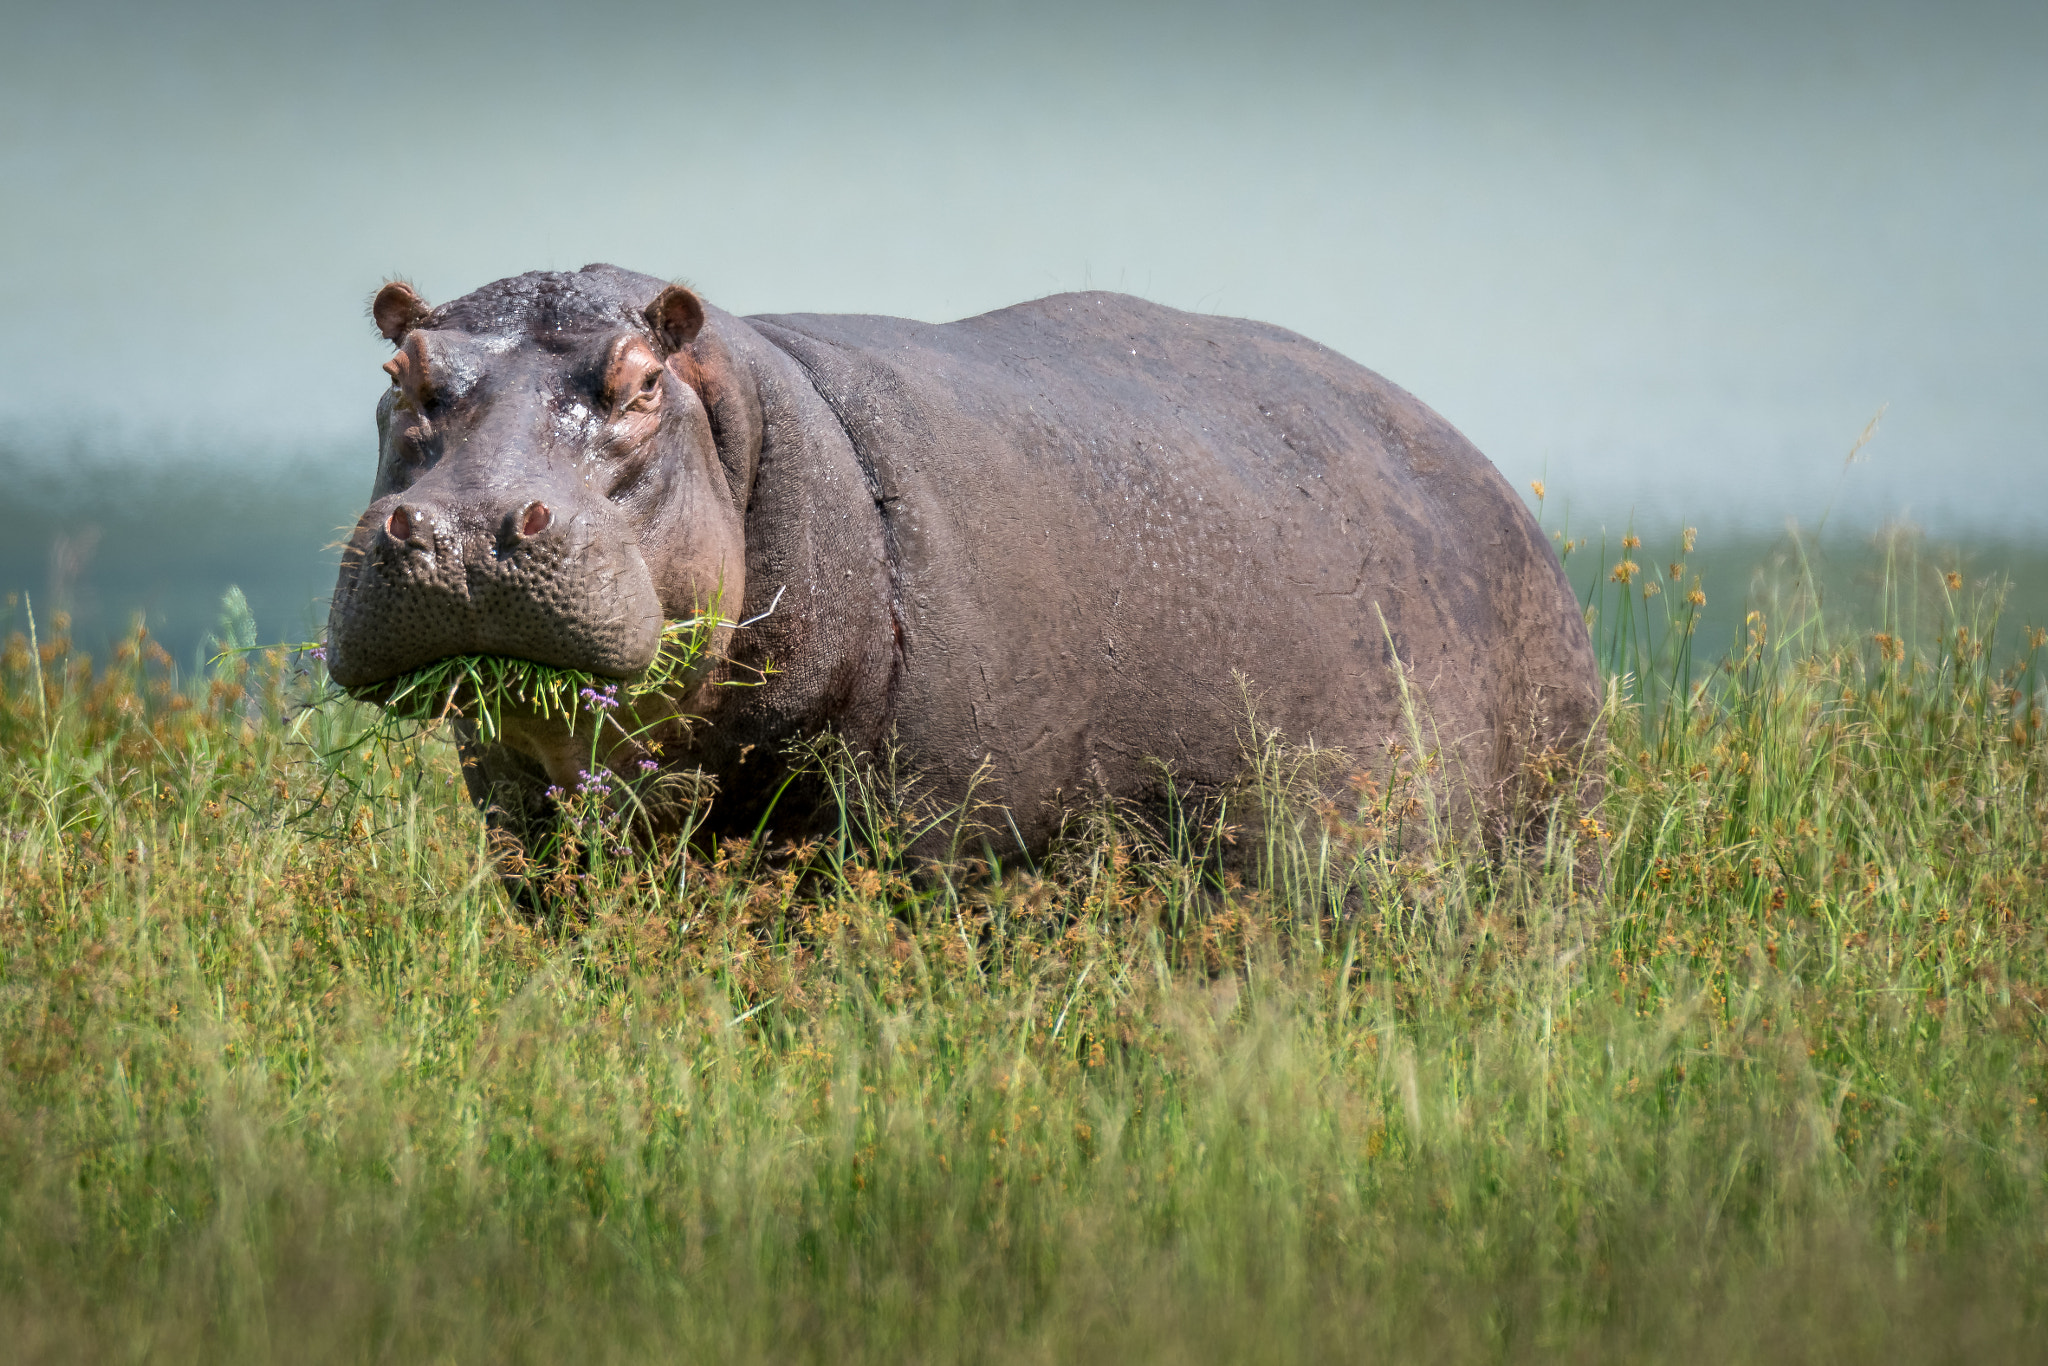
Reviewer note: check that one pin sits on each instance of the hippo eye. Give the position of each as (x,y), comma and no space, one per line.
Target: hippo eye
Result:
(648,394)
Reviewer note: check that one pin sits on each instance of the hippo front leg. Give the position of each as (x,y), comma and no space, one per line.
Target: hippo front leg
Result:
(522,821)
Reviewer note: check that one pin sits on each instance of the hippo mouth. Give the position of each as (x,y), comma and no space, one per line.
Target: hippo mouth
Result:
(484,689)
(425,583)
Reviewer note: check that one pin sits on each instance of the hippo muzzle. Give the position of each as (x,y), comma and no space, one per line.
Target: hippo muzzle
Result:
(426,578)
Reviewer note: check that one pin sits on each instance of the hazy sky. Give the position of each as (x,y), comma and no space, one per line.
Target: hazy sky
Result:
(1673,258)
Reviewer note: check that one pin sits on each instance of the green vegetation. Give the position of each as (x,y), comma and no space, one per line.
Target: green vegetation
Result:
(284,1079)
(480,688)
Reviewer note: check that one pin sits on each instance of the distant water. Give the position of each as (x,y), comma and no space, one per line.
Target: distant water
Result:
(164,542)
(1669,258)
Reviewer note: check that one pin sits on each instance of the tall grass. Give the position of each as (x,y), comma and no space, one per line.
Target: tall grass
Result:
(284,1078)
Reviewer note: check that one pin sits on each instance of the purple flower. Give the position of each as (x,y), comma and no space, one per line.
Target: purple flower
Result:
(648,765)
(318,652)
(603,701)
(554,793)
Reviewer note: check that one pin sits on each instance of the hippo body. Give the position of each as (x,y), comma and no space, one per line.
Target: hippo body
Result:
(1043,550)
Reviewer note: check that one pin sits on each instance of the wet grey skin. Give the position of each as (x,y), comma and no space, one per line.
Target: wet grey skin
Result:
(1042,552)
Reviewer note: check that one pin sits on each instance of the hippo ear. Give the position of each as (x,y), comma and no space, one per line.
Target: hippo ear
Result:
(676,315)
(397,310)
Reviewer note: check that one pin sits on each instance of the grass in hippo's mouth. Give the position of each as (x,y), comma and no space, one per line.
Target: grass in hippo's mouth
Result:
(481,689)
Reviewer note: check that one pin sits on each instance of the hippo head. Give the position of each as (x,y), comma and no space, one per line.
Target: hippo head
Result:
(548,487)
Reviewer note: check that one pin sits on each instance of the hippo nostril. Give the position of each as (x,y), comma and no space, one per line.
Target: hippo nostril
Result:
(535,519)
(399,525)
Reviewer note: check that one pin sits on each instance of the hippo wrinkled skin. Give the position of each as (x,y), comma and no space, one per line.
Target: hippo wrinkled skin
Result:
(1037,551)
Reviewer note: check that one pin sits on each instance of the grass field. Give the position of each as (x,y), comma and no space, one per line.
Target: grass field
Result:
(284,1079)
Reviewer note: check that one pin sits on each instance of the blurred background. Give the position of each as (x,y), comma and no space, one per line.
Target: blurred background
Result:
(1671,260)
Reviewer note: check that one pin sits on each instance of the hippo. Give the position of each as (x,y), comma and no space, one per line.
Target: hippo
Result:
(1041,557)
